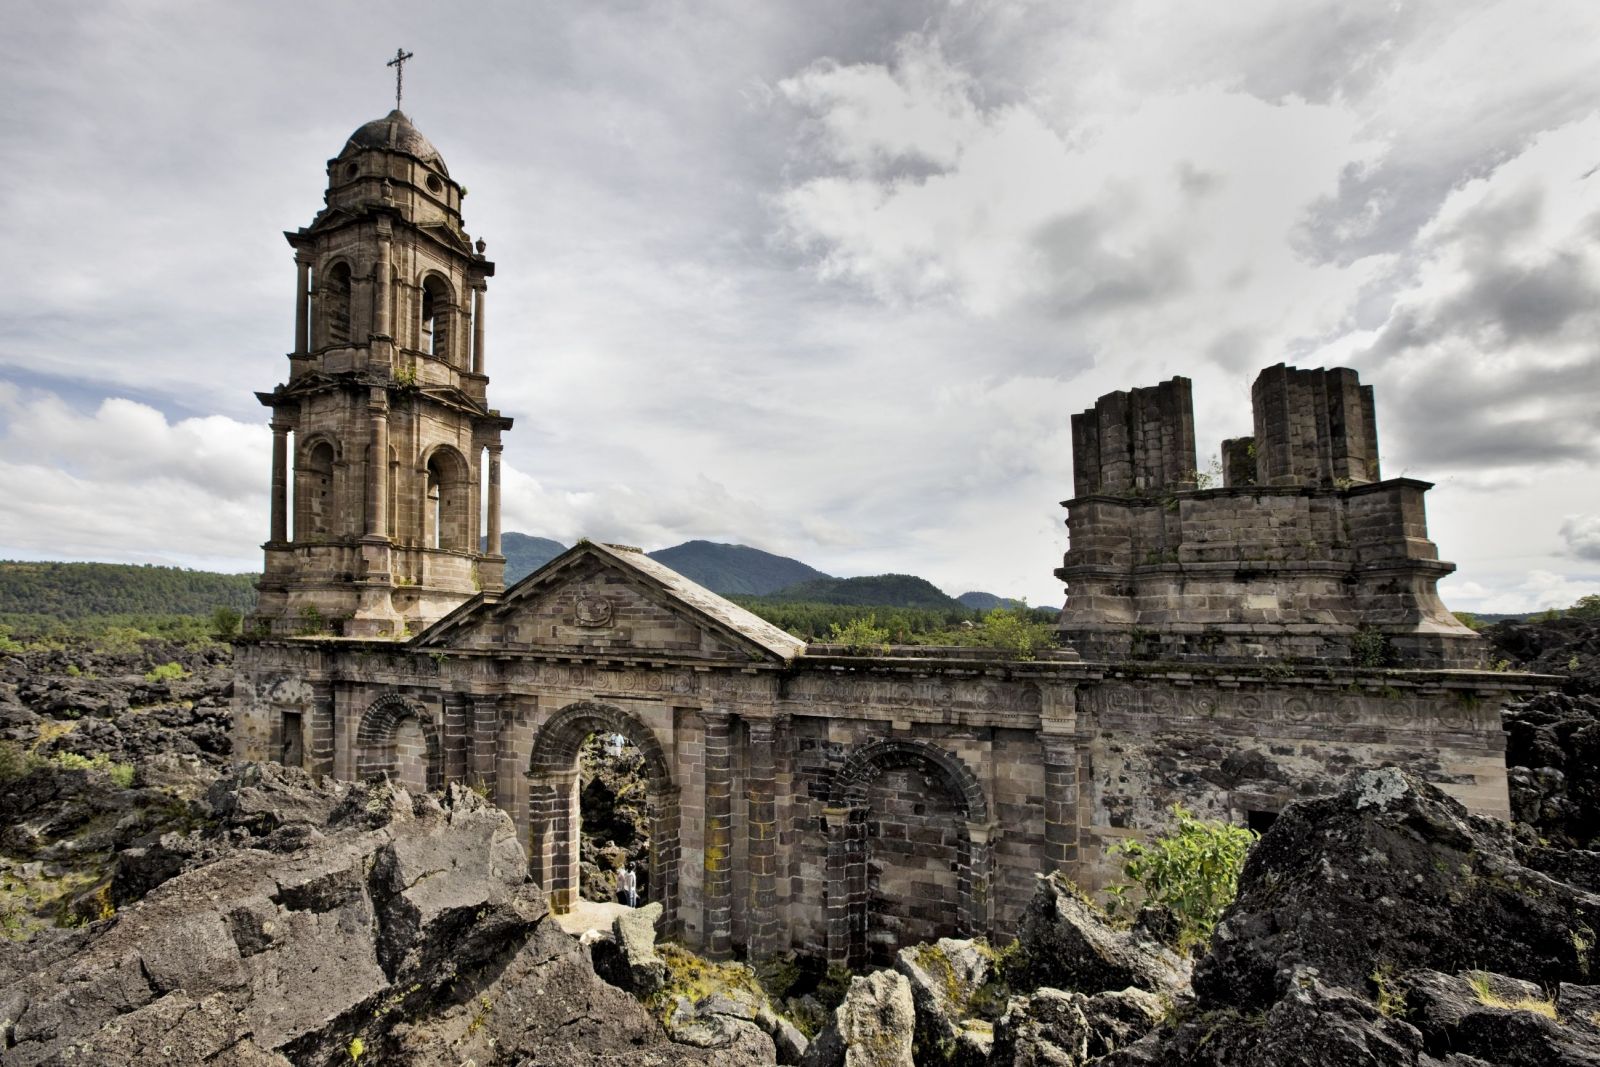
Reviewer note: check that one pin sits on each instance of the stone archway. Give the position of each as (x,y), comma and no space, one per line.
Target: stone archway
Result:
(944,816)
(553,816)
(399,740)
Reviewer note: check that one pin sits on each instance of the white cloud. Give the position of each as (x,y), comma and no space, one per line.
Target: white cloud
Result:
(1582,535)
(125,483)
(827,280)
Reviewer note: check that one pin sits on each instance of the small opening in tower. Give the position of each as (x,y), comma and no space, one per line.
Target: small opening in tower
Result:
(351,171)
(435,185)
(435,324)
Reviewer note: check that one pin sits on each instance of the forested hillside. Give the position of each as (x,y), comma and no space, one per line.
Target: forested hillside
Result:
(525,554)
(735,569)
(79,590)
(889,590)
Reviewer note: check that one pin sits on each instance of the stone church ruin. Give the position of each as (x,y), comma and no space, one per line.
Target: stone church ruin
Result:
(1228,647)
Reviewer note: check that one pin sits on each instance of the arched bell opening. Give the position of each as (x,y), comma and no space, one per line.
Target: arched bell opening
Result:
(315,502)
(447,504)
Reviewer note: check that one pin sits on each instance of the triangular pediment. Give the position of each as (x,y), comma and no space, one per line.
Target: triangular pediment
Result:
(604,600)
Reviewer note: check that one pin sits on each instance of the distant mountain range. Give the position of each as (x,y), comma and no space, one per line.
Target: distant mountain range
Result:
(739,570)
(525,554)
(736,569)
(81,590)
(887,590)
(988,601)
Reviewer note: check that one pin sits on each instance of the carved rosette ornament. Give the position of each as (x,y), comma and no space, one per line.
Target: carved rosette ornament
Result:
(593,611)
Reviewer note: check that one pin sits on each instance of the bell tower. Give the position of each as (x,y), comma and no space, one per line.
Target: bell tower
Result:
(385,453)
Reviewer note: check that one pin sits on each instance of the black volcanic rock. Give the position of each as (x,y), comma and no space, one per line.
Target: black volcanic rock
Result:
(363,914)
(1390,873)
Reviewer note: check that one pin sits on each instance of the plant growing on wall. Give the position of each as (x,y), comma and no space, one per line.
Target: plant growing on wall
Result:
(1193,871)
(860,635)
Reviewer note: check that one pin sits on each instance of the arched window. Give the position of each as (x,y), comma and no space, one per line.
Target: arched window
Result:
(446,519)
(336,305)
(434,336)
(313,497)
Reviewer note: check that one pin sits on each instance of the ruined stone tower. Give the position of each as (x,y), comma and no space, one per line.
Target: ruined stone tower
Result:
(382,440)
(1303,553)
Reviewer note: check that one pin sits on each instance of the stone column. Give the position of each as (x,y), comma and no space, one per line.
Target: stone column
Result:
(378,465)
(380,286)
(457,709)
(718,836)
(762,827)
(1060,803)
(552,856)
(481,769)
(280,482)
(494,499)
(319,739)
(302,304)
(846,884)
(477,330)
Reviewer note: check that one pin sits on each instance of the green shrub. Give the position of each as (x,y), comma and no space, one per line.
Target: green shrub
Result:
(225,622)
(1014,630)
(1193,871)
(860,635)
(16,761)
(167,672)
(120,773)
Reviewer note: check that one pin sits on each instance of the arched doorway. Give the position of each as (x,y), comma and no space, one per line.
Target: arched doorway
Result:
(907,851)
(398,739)
(554,817)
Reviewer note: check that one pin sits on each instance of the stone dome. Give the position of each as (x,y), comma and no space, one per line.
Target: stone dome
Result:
(395,133)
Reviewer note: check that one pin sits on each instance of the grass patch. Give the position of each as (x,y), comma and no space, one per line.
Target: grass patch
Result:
(1484,991)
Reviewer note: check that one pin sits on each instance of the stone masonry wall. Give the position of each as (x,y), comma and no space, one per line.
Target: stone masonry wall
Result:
(847,804)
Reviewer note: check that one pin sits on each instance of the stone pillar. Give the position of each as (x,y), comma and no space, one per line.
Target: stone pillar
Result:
(972,883)
(481,769)
(380,286)
(477,330)
(552,826)
(494,499)
(302,304)
(320,730)
(846,884)
(761,819)
(457,736)
(718,835)
(378,465)
(1060,803)
(280,482)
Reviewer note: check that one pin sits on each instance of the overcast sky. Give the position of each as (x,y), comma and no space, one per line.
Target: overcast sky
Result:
(826,278)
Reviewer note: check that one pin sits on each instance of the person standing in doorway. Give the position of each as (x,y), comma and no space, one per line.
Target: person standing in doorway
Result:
(628,884)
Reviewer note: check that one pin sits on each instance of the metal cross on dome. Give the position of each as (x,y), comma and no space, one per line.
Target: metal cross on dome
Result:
(399,65)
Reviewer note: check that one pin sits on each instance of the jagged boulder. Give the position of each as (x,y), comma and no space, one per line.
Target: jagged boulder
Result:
(1067,944)
(1553,756)
(406,923)
(725,1020)
(1061,1029)
(1312,1025)
(945,978)
(874,1027)
(1390,872)
(1502,1020)
(1046,1029)
(627,959)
